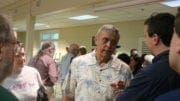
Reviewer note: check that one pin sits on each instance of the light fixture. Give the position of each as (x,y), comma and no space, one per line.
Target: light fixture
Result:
(39,24)
(47,26)
(124,4)
(15,28)
(83,17)
(173,3)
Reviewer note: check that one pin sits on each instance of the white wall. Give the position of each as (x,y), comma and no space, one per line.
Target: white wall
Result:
(130,31)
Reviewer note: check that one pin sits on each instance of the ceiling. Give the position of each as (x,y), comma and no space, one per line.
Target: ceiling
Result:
(56,13)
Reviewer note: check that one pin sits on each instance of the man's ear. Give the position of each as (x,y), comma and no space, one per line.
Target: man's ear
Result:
(178,50)
(156,39)
(177,44)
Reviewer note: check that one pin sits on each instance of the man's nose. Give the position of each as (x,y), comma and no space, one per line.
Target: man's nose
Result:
(108,43)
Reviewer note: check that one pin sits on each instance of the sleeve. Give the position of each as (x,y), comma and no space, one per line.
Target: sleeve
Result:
(39,79)
(126,74)
(70,82)
(129,76)
(53,70)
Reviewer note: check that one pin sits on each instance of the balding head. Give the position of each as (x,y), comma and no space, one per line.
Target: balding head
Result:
(74,49)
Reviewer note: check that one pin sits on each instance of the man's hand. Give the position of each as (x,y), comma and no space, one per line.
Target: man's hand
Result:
(118,87)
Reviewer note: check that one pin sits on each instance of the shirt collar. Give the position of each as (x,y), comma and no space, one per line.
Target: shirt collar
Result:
(161,56)
(95,62)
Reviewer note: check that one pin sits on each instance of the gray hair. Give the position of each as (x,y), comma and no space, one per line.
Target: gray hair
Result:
(109,28)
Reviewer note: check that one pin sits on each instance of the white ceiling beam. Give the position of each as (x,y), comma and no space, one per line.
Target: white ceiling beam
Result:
(124,4)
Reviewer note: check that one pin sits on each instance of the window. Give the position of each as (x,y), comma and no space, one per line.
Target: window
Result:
(50,36)
(142,47)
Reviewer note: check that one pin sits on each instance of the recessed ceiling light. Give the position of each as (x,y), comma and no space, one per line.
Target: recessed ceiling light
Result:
(173,3)
(83,17)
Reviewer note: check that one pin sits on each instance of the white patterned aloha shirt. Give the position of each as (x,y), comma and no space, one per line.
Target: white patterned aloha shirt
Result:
(87,81)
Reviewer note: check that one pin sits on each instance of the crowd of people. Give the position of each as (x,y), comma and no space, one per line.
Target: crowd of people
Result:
(98,75)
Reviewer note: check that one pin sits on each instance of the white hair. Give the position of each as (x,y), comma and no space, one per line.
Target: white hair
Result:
(149,58)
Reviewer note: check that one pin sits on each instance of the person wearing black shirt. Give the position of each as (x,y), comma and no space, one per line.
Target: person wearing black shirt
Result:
(158,78)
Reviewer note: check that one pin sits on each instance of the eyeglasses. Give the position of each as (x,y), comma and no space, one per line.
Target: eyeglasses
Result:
(52,49)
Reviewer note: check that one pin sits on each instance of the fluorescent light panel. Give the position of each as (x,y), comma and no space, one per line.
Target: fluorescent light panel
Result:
(39,24)
(83,17)
(127,3)
(173,3)
(15,28)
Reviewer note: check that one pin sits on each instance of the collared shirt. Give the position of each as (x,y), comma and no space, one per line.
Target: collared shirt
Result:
(87,81)
(47,68)
(24,85)
(64,65)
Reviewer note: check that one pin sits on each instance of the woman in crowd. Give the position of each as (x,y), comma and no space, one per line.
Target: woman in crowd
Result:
(24,81)
(46,66)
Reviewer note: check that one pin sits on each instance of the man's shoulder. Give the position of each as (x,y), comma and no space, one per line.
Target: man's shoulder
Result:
(69,55)
(87,59)
(158,67)
(118,61)
(170,96)
(119,64)
(86,56)
(155,72)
